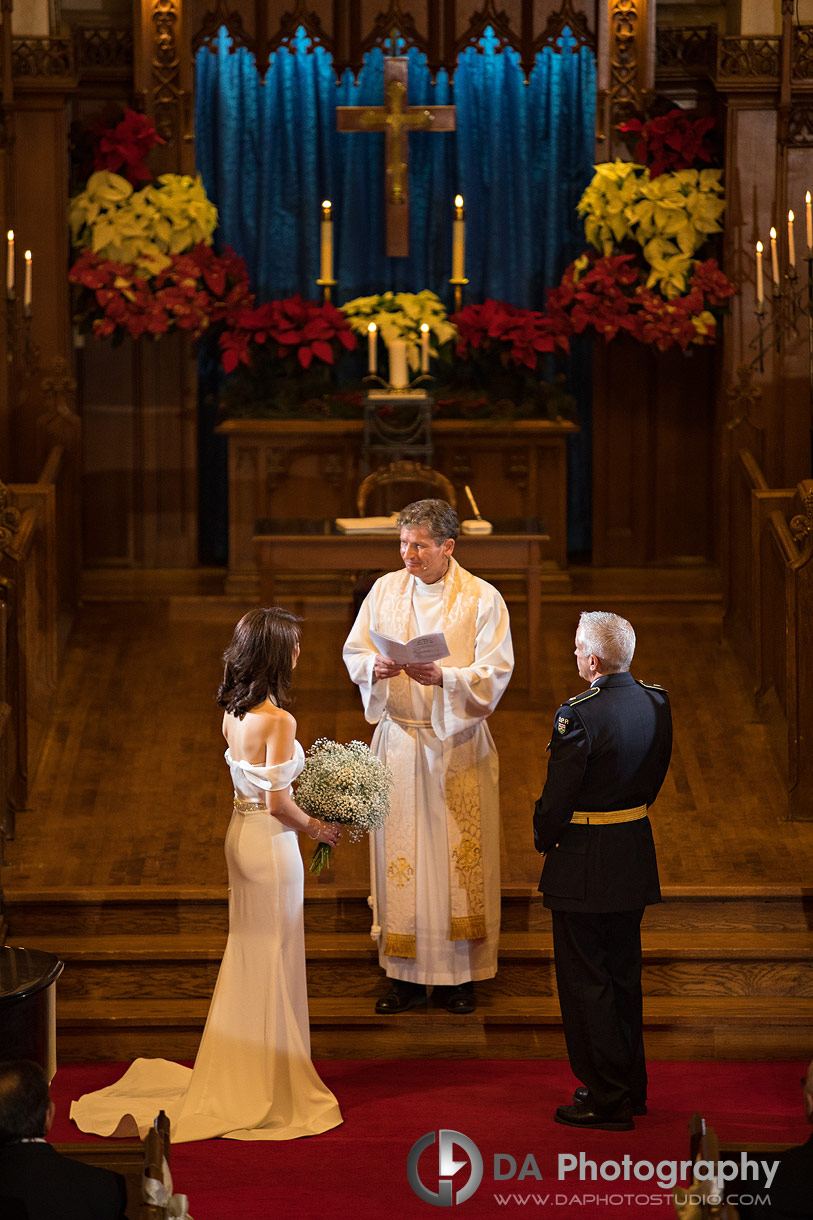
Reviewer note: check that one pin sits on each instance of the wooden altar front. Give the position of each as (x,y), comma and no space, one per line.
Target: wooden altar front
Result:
(309,468)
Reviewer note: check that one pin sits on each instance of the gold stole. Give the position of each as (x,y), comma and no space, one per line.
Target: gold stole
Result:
(462,790)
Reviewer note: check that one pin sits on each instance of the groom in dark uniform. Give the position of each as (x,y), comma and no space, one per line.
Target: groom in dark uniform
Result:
(609,755)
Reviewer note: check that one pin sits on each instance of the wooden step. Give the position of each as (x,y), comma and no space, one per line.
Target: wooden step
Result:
(346,964)
(524,1027)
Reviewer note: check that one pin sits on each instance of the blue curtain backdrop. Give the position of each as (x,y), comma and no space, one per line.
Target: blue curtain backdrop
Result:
(269,153)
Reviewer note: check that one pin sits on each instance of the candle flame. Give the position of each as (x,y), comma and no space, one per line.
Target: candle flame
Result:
(372,328)
(28,256)
(424,326)
(773,234)
(759,247)
(10,235)
(458,201)
(807,196)
(326,203)
(790,218)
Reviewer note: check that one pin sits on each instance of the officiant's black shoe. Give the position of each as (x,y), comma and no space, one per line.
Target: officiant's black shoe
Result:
(401,996)
(458,999)
(581,1097)
(584,1116)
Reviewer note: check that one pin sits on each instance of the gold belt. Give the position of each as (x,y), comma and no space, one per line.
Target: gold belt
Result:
(409,724)
(244,805)
(611,818)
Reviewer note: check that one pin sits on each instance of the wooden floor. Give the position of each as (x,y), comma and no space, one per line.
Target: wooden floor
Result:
(132,789)
(118,865)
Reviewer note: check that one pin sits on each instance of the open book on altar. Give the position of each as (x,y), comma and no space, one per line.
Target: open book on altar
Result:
(368,525)
(417,651)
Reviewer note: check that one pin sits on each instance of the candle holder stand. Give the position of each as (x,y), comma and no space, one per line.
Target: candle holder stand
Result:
(327,287)
(790,302)
(19,343)
(458,286)
(397,423)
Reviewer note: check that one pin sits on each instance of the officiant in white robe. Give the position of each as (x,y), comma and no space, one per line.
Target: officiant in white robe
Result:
(435,866)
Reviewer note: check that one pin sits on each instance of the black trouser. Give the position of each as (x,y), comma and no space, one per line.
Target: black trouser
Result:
(598,974)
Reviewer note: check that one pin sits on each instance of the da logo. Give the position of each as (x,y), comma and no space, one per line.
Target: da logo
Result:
(445,1195)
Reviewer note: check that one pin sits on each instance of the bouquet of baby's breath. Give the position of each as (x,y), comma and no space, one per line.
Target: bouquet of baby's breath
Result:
(346,784)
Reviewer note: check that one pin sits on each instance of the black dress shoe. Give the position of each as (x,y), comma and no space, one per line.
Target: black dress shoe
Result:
(401,996)
(581,1097)
(459,999)
(619,1119)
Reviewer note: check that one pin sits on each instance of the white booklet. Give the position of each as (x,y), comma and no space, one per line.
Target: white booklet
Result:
(416,651)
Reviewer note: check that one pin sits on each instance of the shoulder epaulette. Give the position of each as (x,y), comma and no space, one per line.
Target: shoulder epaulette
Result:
(585,694)
(651,686)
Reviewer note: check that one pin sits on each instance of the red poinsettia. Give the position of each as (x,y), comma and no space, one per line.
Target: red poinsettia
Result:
(515,335)
(610,295)
(198,289)
(672,141)
(123,149)
(314,331)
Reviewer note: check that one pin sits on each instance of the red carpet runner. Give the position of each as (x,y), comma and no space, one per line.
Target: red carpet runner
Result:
(359,1171)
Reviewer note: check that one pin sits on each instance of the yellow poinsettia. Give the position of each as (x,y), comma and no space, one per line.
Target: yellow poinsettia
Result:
(141,228)
(670,216)
(399,315)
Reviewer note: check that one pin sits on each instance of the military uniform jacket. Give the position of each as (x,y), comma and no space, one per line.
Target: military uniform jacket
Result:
(610,750)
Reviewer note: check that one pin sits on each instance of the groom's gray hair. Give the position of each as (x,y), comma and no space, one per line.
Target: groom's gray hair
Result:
(608,637)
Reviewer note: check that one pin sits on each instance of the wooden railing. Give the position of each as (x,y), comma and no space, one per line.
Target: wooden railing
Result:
(767,565)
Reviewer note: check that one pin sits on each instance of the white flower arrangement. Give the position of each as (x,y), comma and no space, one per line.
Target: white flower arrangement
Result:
(345,784)
(399,315)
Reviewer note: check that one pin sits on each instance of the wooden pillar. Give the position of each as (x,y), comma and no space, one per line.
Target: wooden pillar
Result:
(625,68)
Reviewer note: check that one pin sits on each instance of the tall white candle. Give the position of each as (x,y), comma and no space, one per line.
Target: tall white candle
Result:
(10,262)
(760,293)
(397,349)
(791,242)
(459,240)
(808,221)
(27,288)
(372,347)
(326,261)
(774,259)
(424,347)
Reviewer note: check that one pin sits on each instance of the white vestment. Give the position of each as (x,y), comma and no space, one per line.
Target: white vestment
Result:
(436,741)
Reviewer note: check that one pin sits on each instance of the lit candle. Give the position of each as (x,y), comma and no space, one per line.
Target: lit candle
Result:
(326,262)
(10,263)
(759,274)
(774,260)
(424,347)
(458,240)
(27,288)
(791,243)
(808,221)
(372,347)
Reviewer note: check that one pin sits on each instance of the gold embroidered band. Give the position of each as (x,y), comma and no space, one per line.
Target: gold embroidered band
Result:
(244,805)
(468,927)
(609,819)
(399,945)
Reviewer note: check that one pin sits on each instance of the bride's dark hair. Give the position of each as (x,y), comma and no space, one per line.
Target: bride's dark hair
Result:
(259,661)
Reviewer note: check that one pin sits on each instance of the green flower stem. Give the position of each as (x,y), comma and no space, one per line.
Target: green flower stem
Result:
(320,859)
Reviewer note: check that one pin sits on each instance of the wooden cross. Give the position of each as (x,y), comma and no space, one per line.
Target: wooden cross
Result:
(396,119)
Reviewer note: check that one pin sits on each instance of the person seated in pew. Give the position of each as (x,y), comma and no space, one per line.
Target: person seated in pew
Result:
(37,1182)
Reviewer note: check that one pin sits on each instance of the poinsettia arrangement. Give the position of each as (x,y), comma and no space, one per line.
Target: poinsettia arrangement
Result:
(608,295)
(510,334)
(400,315)
(123,148)
(301,332)
(672,141)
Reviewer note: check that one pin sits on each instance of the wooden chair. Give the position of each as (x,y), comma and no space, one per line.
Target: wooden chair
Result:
(404,474)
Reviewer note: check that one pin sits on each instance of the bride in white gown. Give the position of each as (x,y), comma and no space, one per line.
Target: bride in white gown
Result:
(253,1078)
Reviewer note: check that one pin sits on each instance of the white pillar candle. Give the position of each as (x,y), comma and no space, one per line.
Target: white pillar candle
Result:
(27,288)
(424,347)
(774,260)
(372,347)
(808,221)
(760,293)
(10,262)
(326,261)
(459,240)
(397,349)
(791,242)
